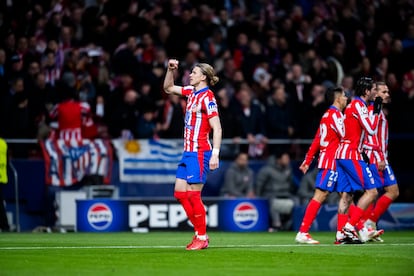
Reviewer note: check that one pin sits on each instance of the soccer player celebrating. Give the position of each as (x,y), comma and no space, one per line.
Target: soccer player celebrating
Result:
(353,173)
(325,143)
(377,152)
(199,155)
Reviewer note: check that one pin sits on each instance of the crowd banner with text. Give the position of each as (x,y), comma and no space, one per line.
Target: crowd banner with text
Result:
(148,161)
(67,162)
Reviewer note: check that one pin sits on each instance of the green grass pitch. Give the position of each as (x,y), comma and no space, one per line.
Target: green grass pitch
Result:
(163,253)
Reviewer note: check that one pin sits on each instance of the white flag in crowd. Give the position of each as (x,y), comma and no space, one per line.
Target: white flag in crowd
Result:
(148,161)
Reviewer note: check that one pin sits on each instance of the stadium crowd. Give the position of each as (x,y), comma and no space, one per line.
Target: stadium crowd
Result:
(275,59)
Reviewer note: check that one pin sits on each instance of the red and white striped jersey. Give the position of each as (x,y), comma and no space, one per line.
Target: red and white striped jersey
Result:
(69,116)
(358,123)
(376,146)
(327,138)
(201,106)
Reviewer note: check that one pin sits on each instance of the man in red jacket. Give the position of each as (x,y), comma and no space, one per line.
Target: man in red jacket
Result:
(69,114)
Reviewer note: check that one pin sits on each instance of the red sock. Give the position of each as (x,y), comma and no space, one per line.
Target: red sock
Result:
(356,215)
(310,215)
(380,207)
(351,209)
(342,220)
(366,215)
(199,212)
(183,198)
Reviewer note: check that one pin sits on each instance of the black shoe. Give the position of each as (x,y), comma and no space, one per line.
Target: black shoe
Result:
(348,240)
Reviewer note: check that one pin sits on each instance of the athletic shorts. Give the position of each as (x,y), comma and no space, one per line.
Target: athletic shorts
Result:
(379,181)
(386,177)
(326,180)
(194,167)
(354,175)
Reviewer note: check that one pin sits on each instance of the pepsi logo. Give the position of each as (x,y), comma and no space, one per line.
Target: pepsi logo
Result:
(245,215)
(100,216)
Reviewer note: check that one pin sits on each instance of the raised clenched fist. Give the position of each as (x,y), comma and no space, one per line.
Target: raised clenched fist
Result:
(172,64)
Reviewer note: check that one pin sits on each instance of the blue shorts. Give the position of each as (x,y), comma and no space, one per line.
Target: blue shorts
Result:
(326,180)
(387,177)
(194,167)
(379,181)
(354,175)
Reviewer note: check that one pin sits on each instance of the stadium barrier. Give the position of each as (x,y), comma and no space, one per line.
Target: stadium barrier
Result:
(143,215)
(29,194)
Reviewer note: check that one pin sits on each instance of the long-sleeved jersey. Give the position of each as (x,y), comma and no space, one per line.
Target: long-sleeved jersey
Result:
(358,124)
(375,146)
(327,139)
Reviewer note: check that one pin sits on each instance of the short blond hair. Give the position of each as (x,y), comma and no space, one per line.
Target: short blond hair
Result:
(209,72)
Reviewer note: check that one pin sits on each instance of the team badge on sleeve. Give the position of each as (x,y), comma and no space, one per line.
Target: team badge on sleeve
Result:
(212,106)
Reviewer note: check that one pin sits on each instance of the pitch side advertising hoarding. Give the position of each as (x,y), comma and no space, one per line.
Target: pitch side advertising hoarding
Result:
(238,215)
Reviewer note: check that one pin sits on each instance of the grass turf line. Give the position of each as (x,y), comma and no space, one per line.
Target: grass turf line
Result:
(163,253)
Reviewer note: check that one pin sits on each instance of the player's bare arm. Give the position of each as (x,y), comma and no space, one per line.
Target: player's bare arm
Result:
(169,86)
(217,133)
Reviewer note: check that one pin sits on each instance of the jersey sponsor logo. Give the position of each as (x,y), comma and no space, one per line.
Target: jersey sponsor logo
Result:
(245,215)
(100,216)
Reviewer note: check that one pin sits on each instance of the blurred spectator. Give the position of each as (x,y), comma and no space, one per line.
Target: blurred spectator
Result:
(253,57)
(123,121)
(214,46)
(184,27)
(240,50)
(348,85)
(15,110)
(148,49)
(146,126)
(273,52)
(318,68)
(261,81)
(250,116)
(171,123)
(314,110)
(239,178)
(278,117)
(50,68)
(99,118)
(163,36)
(298,87)
(41,97)
(69,113)
(125,57)
(275,183)
(226,75)
(119,87)
(16,68)
(231,128)
(284,66)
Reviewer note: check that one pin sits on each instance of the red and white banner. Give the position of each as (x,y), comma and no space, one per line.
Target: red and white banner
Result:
(67,162)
